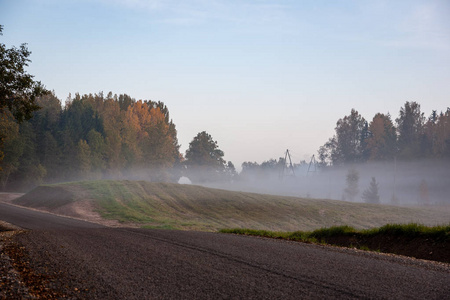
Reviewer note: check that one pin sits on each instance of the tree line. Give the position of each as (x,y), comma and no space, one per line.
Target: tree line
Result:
(412,137)
(115,136)
(91,137)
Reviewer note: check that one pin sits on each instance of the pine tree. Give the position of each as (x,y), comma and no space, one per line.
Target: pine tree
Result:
(370,195)
(410,125)
(352,185)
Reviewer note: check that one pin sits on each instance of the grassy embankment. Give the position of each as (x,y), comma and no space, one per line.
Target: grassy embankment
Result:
(189,207)
(419,241)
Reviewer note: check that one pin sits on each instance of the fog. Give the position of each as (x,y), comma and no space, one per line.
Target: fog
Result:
(402,183)
(425,182)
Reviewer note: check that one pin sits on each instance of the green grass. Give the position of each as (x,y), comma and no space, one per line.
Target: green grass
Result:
(411,230)
(116,201)
(190,207)
(332,231)
(410,236)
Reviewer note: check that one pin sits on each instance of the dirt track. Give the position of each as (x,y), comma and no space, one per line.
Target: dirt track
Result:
(113,263)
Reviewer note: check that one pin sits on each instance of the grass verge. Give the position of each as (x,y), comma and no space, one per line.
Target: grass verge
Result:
(415,240)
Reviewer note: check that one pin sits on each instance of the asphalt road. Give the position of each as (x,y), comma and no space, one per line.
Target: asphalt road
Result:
(32,219)
(122,263)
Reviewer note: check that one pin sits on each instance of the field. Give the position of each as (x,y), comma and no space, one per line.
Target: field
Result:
(190,207)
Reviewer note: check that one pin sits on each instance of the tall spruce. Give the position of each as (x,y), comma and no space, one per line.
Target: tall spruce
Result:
(370,195)
(410,129)
(352,190)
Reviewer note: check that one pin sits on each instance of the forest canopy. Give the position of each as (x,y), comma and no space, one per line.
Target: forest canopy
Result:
(91,137)
(414,137)
(115,136)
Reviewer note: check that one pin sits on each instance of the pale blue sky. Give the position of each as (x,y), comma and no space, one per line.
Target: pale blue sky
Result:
(260,76)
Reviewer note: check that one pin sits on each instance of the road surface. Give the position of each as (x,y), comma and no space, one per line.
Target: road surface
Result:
(91,262)
(32,219)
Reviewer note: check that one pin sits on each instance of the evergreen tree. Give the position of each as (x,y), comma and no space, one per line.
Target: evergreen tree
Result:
(83,159)
(352,190)
(30,171)
(370,195)
(410,125)
(437,135)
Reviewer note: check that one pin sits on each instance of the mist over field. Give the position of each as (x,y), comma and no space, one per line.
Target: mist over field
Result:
(404,180)
(128,139)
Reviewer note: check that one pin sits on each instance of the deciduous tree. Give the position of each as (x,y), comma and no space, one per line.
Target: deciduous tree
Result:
(382,141)
(18,90)
(13,146)
(204,159)
(349,143)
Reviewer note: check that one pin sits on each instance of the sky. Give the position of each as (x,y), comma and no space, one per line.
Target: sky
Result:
(260,76)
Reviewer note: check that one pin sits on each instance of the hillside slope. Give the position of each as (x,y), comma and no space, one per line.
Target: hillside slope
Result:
(165,205)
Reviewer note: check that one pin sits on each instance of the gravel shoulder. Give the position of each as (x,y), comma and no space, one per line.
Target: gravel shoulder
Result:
(11,283)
